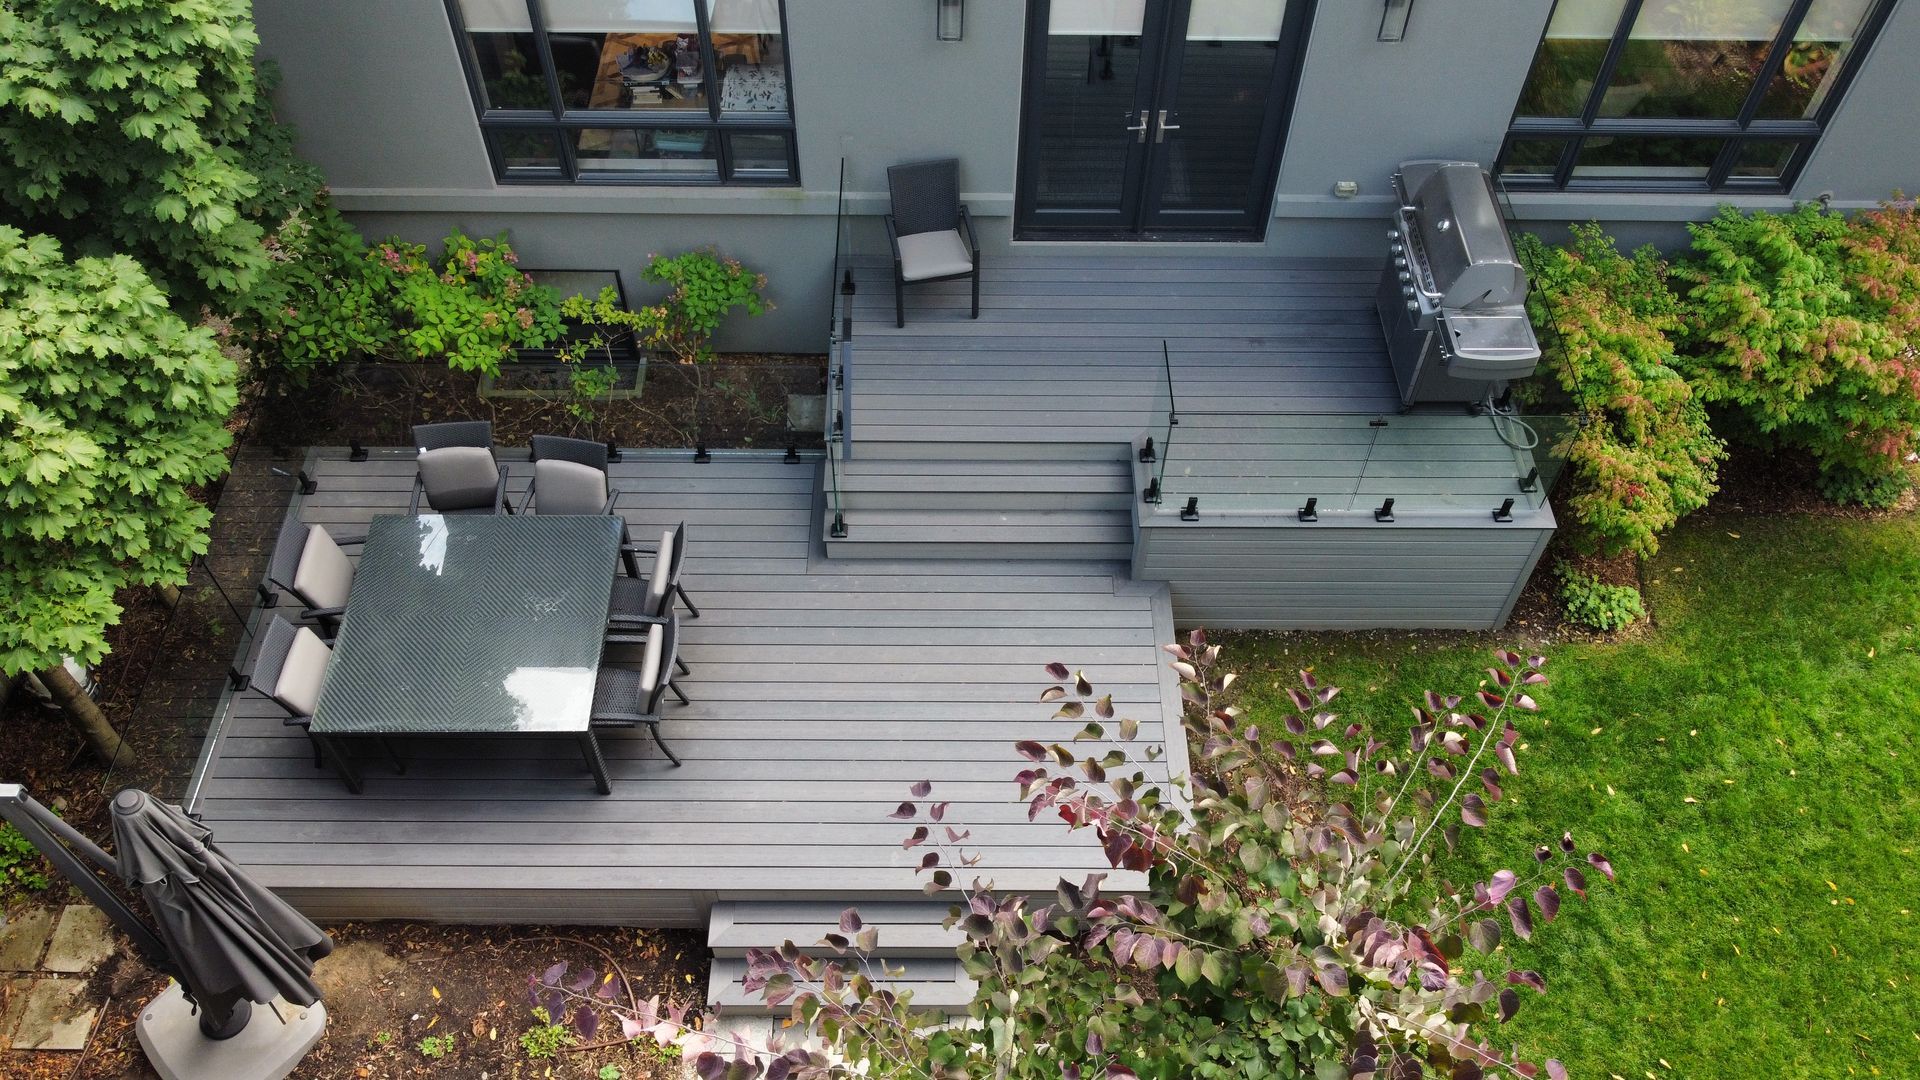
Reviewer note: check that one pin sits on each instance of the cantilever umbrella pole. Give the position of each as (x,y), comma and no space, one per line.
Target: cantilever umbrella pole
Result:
(59,842)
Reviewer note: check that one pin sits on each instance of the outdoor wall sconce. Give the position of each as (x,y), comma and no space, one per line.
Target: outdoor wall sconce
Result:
(1393,21)
(948,15)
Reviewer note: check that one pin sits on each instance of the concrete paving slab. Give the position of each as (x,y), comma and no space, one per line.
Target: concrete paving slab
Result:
(54,1018)
(13,998)
(82,938)
(23,938)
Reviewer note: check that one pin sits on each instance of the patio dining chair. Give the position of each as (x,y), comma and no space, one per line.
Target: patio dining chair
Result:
(309,565)
(569,477)
(929,229)
(458,472)
(626,697)
(290,670)
(642,601)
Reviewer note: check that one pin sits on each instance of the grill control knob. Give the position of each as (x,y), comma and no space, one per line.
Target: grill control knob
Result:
(1399,248)
(1413,305)
(1400,261)
(1393,234)
(1405,276)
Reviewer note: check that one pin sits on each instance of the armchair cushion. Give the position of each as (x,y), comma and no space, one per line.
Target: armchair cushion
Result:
(568,487)
(934,255)
(301,676)
(324,576)
(459,477)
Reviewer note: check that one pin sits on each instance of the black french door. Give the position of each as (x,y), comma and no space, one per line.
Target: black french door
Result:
(1148,119)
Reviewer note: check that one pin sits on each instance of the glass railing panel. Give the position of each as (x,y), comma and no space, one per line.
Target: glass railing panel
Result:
(1162,420)
(1336,464)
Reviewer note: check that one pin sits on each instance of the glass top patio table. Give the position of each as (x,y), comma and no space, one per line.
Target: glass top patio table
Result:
(472,625)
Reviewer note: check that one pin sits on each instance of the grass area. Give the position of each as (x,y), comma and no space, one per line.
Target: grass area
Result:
(1750,766)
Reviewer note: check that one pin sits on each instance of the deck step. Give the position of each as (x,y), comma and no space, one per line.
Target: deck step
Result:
(912,941)
(906,929)
(1038,506)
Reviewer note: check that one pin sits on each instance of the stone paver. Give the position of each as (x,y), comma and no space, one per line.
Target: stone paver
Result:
(23,937)
(82,938)
(53,1017)
(13,998)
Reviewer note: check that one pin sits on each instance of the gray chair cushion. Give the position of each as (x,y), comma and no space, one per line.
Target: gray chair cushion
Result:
(660,580)
(650,666)
(323,576)
(305,670)
(934,255)
(568,487)
(459,477)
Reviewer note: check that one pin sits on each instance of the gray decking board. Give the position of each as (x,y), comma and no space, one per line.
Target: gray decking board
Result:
(821,691)
(1068,347)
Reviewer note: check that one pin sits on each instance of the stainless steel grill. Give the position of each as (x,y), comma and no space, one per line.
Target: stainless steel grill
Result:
(1452,296)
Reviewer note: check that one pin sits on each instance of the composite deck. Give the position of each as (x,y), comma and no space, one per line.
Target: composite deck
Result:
(1068,347)
(821,691)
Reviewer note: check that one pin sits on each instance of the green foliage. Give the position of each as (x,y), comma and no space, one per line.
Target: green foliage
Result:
(111,409)
(705,290)
(21,869)
(1875,491)
(1641,453)
(1751,759)
(545,1039)
(1807,325)
(474,310)
(1592,602)
(122,127)
(435,1046)
(614,1072)
(1295,922)
(331,297)
(324,297)
(285,183)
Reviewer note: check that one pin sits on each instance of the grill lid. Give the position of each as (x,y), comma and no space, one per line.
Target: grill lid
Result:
(1459,234)
(1489,343)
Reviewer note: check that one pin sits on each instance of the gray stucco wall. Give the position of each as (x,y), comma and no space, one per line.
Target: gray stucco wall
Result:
(376,89)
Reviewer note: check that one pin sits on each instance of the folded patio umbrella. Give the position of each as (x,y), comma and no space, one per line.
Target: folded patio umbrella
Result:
(230,939)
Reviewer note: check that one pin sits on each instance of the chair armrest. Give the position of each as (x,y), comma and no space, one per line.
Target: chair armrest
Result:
(612,497)
(326,612)
(298,721)
(413,504)
(639,549)
(355,540)
(624,719)
(893,239)
(527,503)
(621,635)
(966,226)
(500,493)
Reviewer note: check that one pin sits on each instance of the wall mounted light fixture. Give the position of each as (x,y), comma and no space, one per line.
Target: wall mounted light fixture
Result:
(948,15)
(1393,21)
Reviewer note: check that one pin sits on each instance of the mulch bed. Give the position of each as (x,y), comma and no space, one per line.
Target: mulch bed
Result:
(391,984)
(736,401)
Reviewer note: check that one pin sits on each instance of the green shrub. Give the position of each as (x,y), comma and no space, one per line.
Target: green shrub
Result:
(706,288)
(1806,326)
(20,867)
(546,1038)
(1642,455)
(1592,602)
(1873,491)
(329,297)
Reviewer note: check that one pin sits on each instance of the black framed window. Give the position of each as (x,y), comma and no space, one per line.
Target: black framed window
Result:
(631,91)
(1683,95)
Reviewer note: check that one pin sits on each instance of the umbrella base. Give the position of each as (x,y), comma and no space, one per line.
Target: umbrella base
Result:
(265,1049)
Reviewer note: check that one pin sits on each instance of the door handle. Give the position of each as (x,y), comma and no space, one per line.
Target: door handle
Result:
(1140,130)
(1161,127)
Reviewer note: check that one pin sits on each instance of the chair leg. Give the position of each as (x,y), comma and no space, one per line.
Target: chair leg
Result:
(976,290)
(692,612)
(676,693)
(590,748)
(662,744)
(393,755)
(899,303)
(682,665)
(318,759)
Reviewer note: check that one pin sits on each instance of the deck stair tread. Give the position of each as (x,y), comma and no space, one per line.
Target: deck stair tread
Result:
(913,944)
(1036,507)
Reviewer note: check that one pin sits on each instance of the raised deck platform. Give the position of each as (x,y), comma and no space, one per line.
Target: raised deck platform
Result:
(821,692)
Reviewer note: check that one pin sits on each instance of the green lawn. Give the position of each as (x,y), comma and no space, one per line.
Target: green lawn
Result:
(1750,767)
